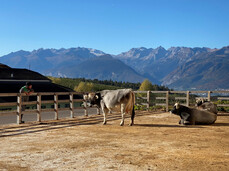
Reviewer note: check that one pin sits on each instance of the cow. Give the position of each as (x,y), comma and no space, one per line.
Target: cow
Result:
(192,116)
(121,100)
(202,104)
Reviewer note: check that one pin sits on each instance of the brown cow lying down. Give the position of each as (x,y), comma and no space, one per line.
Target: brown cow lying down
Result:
(206,105)
(191,116)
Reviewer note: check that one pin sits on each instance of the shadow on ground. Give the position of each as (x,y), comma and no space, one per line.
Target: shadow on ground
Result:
(33,127)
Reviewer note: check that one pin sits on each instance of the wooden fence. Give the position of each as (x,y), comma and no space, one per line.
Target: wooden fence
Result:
(179,96)
(161,98)
(39,102)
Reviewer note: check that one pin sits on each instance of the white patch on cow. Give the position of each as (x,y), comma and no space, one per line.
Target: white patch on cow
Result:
(177,105)
(85,97)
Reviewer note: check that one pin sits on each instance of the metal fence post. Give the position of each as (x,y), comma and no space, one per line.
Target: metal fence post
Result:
(167,101)
(71,105)
(187,98)
(56,106)
(39,107)
(18,108)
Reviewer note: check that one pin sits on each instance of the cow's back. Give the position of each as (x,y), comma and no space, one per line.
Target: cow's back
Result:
(115,97)
(209,106)
(203,116)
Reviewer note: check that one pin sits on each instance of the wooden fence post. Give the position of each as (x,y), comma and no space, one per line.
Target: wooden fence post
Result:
(167,101)
(39,107)
(187,98)
(71,105)
(148,100)
(209,96)
(56,106)
(19,108)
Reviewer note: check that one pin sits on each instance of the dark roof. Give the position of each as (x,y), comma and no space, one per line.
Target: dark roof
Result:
(20,74)
(14,87)
(11,81)
(4,66)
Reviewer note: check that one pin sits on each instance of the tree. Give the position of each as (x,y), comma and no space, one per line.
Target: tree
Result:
(84,87)
(146,85)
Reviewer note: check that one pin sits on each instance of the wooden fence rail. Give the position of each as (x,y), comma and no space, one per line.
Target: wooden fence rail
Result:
(186,96)
(39,102)
(144,96)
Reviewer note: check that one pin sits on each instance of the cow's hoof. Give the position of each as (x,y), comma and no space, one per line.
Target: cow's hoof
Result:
(187,123)
(104,123)
(130,124)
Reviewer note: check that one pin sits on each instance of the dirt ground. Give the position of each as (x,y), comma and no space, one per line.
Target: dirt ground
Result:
(155,142)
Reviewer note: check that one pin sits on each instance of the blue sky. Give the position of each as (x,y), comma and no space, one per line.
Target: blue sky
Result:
(113,26)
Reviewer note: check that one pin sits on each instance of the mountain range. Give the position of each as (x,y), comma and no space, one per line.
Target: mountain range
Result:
(176,67)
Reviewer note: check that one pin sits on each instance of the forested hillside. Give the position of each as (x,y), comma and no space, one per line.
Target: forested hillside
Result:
(86,85)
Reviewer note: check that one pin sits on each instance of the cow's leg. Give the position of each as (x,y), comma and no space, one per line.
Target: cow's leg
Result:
(181,122)
(132,117)
(105,111)
(105,116)
(123,114)
(186,118)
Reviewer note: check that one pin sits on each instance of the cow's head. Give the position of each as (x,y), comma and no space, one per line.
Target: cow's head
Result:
(175,109)
(178,109)
(92,99)
(200,101)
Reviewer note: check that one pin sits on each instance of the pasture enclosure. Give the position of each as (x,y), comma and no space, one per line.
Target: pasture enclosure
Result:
(155,142)
(65,101)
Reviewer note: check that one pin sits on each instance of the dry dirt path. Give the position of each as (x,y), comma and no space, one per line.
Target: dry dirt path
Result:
(155,142)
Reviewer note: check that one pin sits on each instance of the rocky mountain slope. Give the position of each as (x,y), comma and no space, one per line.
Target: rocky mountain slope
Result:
(104,67)
(203,71)
(158,63)
(176,67)
(42,60)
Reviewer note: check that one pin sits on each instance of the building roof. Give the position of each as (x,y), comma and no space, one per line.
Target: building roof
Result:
(14,87)
(12,79)
(4,66)
(14,74)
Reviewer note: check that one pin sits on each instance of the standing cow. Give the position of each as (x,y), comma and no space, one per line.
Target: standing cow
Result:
(191,116)
(122,100)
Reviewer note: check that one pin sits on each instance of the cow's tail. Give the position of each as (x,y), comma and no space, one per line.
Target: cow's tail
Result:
(130,107)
